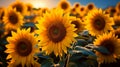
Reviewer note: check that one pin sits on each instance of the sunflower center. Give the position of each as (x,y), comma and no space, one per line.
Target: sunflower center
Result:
(113,10)
(77,25)
(24,47)
(1,17)
(44,10)
(82,9)
(109,45)
(99,23)
(73,10)
(77,5)
(18,7)
(64,5)
(13,18)
(106,12)
(56,32)
(29,8)
(90,7)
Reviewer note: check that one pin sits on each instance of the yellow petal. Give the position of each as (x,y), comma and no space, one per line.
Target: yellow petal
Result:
(9,56)
(9,50)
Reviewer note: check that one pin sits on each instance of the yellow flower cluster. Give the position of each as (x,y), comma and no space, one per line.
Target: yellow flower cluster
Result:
(57,29)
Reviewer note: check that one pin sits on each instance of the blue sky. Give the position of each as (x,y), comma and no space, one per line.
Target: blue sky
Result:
(53,3)
(98,3)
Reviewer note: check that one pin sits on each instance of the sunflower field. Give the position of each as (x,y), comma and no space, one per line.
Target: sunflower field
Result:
(64,36)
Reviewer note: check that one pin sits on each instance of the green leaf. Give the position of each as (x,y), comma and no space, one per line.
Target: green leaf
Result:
(85,51)
(101,49)
(30,24)
(41,55)
(85,33)
(46,63)
(81,42)
(76,57)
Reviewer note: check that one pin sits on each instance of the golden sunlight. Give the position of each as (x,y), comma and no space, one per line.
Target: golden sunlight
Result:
(38,3)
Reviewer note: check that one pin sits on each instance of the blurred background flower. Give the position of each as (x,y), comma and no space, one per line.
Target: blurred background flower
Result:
(68,33)
(53,3)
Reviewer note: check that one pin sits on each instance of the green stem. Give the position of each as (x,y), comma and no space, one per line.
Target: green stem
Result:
(68,58)
(98,64)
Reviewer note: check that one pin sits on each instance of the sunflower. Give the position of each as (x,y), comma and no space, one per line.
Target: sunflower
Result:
(78,24)
(112,11)
(90,6)
(117,20)
(112,44)
(19,6)
(76,5)
(35,64)
(106,11)
(29,8)
(44,10)
(37,12)
(41,11)
(22,47)
(73,11)
(98,23)
(116,32)
(56,34)
(32,29)
(64,5)
(12,19)
(82,11)
(78,15)
(2,13)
